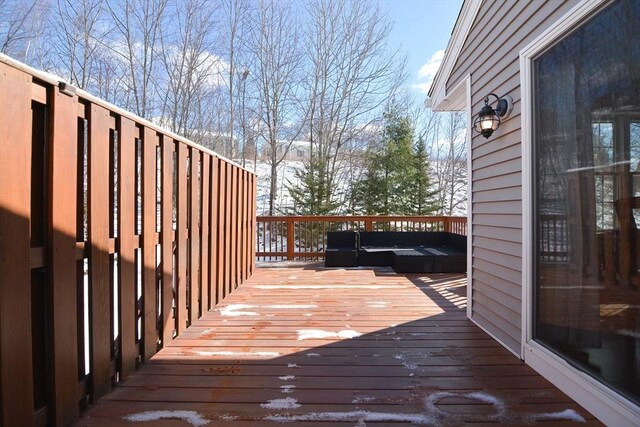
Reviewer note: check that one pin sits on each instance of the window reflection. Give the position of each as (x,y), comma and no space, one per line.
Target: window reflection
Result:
(587,197)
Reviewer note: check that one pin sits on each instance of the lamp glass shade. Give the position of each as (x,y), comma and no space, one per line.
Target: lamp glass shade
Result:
(486,124)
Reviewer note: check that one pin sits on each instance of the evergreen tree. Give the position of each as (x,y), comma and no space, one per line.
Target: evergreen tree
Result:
(388,187)
(312,195)
(422,198)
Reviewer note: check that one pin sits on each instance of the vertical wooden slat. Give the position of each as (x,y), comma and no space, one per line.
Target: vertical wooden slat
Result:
(214,276)
(99,259)
(245,224)
(205,202)
(290,237)
(62,262)
(168,323)
(127,245)
(181,237)
(254,204)
(239,218)
(233,213)
(227,229)
(149,218)
(194,240)
(222,191)
(16,370)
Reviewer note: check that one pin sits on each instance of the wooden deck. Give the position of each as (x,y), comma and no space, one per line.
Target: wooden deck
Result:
(315,346)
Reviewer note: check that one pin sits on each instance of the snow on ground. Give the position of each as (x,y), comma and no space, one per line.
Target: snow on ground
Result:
(236,310)
(309,334)
(567,414)
(287,388)
(351,416)
(286,403)
(287,377)
(191,417)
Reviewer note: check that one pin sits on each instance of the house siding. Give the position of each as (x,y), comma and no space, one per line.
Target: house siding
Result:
(490,56)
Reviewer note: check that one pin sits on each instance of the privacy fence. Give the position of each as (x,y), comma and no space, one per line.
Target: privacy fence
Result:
(115,235)
(304,237)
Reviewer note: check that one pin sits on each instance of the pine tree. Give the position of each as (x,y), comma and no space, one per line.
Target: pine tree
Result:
(312,195)
(422,198)
(388,187)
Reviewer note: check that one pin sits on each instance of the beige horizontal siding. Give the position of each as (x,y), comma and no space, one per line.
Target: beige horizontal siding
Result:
(490,56)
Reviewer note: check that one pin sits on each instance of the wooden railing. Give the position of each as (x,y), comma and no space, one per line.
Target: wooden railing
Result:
(103,215)
(304,237)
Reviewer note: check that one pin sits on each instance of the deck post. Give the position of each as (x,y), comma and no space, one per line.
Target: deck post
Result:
(290,238)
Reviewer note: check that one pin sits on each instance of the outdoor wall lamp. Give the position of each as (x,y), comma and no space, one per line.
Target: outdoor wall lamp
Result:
(488,119)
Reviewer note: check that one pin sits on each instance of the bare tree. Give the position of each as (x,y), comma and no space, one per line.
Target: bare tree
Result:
(19,24)
(352,76)
(273,43)
(448,157)
(137,23)
(76,42)
(191,70)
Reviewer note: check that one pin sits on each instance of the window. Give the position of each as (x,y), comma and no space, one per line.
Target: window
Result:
(587,197)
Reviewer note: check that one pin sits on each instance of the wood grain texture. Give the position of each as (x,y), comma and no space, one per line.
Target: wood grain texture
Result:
(149,215)
(127,246)
(99,258)
(310,344)
(222,232)
(16,370)
(168,320)
(232,254)
(194,236)
(213,230)
(181,243)
(226,252)
(205,261)
(62,262)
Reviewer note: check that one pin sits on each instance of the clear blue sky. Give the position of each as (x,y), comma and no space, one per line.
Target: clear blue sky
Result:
(422,28)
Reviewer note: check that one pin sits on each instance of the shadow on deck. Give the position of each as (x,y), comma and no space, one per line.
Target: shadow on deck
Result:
(336,347)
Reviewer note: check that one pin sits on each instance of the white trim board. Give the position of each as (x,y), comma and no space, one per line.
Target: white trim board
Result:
(469,136)
(606,404)
(440,99)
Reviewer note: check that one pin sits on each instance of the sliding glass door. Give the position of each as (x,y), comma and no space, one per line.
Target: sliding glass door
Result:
(587,197)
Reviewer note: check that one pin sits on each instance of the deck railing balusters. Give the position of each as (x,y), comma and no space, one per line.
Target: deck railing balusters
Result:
(305,236)
(109,222)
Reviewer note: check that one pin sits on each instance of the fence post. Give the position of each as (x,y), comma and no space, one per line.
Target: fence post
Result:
(290,238)
(368,224)
(447,224)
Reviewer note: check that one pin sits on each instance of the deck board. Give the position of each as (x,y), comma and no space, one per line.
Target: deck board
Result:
(313,346)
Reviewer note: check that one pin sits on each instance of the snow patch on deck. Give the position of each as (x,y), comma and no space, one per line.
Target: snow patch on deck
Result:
(286,403)
(293,365)
(191,417)
(313,355)
(287,377)
(287,388)
(237,310)
(567,414)
(309,334)
(359,417)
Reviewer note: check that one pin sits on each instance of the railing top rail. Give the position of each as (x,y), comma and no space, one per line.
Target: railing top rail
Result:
(55,80)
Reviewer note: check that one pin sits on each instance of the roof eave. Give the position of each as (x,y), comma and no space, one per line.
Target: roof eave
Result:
(440,99)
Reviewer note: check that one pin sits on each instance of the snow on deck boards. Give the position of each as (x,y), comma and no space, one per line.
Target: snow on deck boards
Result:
(377,348)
